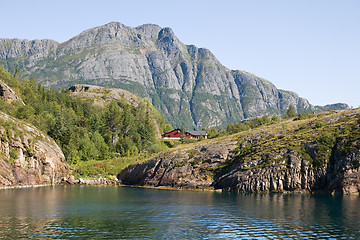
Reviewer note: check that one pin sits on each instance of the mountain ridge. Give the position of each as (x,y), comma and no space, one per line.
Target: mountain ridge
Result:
(186,83)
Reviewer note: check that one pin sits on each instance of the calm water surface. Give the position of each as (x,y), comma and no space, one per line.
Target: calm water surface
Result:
(98,212)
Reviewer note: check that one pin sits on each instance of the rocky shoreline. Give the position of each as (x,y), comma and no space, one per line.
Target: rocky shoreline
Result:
(309,156)
(25,186)
(89,181)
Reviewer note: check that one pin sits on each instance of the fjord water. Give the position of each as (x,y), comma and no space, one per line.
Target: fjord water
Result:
(100,212)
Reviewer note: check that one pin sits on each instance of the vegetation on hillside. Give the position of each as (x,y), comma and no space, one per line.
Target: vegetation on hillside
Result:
(317,140)
(84,131)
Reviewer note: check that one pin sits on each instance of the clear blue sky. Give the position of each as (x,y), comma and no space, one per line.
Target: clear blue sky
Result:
(307,46)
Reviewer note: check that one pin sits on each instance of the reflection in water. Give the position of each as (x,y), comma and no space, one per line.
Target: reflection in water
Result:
(127,213)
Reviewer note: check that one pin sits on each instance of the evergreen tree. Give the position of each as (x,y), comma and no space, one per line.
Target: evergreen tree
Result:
(291,112)
(112,121)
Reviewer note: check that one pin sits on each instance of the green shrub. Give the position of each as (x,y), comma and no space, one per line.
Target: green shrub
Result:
(196,161)
(319,124)
(191,153)
(171,143)
(13,153)
(302,116)
(179,156)
(180,164)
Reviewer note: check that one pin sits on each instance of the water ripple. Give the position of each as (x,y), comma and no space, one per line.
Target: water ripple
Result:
(65,212)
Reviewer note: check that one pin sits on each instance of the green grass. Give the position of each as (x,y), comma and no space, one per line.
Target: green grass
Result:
(107,168)
(191,153)
(95,168)
(181,164)
(196,161)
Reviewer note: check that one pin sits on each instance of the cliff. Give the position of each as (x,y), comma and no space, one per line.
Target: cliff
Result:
(186,83)
(317,154)
(28,156)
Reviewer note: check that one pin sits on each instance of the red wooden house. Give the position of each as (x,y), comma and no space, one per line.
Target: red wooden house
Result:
(176,134)
(196,134)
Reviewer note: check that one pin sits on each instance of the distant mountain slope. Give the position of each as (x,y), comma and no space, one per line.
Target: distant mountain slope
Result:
(188,84)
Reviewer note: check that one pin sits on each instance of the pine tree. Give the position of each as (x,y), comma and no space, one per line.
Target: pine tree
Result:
(112,121)
(291,112)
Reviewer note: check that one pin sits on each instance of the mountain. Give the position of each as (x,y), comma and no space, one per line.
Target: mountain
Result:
(186,83)
(321,154)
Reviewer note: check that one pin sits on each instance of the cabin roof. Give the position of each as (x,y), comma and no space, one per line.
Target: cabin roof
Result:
(197,133)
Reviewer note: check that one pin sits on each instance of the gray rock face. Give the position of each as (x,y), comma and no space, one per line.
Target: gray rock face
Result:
(341,177)
(188,84)
(28,157)
(185,168)
(33,50)
(9,95)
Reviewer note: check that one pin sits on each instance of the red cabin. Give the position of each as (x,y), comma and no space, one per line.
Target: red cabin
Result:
(176,134)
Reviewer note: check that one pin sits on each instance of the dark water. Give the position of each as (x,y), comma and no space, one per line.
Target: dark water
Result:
(65,212)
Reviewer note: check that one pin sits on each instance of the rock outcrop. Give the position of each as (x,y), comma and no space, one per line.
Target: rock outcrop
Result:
(294,174)
(9,95)
(187,84)
(318,154)
(28,156)
(102,96)
(187,168)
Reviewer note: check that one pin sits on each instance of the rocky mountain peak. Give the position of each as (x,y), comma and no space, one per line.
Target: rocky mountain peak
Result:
(149,30)
(167,35)
(187,84)
(168,42)
(114,25)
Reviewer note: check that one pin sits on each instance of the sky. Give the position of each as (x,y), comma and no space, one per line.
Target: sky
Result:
(311,47)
